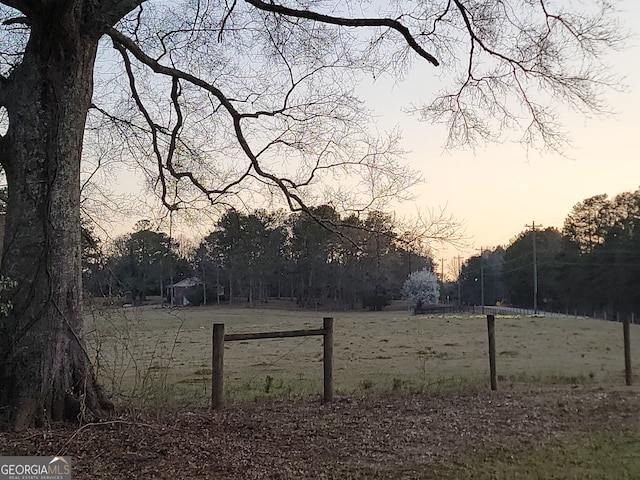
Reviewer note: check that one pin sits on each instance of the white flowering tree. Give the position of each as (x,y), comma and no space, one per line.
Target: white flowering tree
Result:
(421,288)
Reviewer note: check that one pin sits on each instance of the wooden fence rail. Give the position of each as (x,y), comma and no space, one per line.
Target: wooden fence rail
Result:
(219,337)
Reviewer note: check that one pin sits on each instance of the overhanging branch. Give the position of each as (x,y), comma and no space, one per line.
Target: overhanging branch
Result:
(122,42)
(348,22)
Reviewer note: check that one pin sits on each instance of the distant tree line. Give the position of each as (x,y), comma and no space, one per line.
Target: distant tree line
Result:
(592,264)
(137,264)
(323,259)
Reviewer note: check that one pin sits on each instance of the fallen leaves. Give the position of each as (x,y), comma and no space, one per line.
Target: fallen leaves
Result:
(391,435)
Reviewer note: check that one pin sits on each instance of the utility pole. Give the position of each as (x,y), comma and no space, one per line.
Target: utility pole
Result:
(535,267)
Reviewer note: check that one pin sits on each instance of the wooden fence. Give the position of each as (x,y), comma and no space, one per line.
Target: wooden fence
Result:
(219,337)
(626,336)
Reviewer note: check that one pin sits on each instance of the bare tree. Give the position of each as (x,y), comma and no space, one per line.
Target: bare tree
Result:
(221,99)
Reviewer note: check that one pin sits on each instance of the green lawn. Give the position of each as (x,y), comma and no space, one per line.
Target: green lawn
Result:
(603,455)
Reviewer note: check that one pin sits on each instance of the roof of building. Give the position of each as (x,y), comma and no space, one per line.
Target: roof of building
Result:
(188,282)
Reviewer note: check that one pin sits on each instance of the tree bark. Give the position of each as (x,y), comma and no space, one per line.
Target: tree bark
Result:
(45,371)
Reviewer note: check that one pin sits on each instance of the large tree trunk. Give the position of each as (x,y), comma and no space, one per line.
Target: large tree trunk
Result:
(45,371)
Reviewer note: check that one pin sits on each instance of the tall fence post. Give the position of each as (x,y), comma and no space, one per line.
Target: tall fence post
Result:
(217,367)
(327,344)
(491,328)
(627,351)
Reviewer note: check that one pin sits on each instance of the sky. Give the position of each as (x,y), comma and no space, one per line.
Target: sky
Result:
(497,190)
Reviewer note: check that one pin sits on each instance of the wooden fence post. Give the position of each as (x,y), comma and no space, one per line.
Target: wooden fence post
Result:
(627,351)
(217,367)
(217,355)
(327,343)
(492,350)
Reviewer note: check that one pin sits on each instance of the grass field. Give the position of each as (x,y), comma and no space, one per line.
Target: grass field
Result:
(561,411)
(600,455)
(150,354)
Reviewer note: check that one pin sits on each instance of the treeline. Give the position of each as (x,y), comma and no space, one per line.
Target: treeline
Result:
(322,259)
(593,264)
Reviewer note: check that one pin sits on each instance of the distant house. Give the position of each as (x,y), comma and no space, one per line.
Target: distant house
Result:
(182,290)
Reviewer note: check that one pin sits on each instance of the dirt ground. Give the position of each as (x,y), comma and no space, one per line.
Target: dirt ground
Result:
(378,435)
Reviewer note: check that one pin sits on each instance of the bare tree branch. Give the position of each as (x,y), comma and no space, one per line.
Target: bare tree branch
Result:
(348,22)
(496,72)
(17,21)
(550,56)
(120,41)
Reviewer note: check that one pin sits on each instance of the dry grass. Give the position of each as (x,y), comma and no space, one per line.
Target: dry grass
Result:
(572,423)
(146,351)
